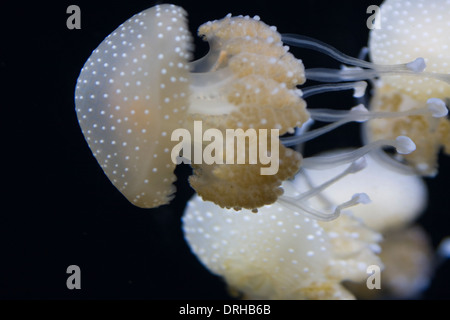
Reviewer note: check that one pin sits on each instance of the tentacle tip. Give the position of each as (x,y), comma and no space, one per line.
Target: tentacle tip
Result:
(360,89)
(404,145)
(418,65)
(361,198)
(437,107)
(361,111)
(444,248)
(358,165)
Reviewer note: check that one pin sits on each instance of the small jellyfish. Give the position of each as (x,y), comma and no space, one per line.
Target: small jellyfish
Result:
(127,107)
(410,29)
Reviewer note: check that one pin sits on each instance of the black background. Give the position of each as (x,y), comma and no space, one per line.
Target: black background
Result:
(59,209)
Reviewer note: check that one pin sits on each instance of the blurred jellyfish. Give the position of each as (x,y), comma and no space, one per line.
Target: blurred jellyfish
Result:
(280,253)
(409,262)
(416,28)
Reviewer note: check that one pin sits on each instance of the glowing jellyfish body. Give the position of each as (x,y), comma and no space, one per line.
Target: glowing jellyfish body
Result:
(125,114)
(137,88)
(279,253)
(411,29)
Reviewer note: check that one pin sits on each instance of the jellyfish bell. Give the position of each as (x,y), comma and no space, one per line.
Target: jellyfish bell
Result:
(125,114)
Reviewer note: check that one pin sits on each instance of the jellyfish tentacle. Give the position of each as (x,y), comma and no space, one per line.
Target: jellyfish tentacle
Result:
(415,66)
(403,145)
(358,87)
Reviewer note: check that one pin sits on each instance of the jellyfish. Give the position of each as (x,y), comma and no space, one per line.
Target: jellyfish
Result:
(138,87)
(413,28)
(280,253)
(409,263)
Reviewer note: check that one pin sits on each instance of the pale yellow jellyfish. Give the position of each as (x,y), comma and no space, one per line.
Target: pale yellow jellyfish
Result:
(409,29)
(280,253)
(137,88)
(409,263)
